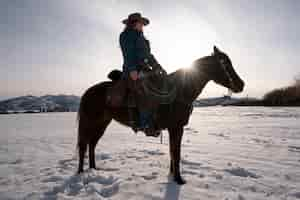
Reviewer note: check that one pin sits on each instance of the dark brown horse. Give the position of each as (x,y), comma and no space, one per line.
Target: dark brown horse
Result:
(94,115)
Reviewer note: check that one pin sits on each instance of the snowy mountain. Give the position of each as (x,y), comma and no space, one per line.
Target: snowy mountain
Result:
(47,103)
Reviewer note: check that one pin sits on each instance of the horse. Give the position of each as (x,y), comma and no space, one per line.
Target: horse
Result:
(94,115)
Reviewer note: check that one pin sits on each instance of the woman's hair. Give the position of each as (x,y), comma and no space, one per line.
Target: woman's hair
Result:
(131,24)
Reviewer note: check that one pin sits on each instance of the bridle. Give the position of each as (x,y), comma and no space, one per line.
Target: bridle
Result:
(224,67)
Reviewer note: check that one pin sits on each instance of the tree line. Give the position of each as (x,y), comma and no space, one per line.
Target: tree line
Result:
(286,96)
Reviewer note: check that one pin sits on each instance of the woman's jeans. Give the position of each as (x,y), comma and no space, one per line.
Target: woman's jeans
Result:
(144,105)
(145,119)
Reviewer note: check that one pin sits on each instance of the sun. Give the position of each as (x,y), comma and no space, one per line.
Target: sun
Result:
(178,45)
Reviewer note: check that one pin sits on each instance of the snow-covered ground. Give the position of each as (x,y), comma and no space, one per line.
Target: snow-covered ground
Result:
(228,153)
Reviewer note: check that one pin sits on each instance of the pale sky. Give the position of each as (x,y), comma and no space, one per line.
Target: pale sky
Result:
(65,46)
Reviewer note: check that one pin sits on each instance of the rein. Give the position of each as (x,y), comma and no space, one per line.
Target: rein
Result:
(224,67)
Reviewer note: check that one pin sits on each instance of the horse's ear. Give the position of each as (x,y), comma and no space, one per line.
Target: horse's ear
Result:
(216,50)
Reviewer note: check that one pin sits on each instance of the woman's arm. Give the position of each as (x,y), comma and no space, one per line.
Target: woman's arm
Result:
(142,49)
(145,56)
(128,46)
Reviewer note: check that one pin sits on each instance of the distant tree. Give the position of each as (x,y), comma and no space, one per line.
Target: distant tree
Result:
(284,96)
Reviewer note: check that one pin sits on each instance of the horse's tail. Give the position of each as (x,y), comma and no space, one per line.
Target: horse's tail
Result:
(91,110)
(78,117)
(81,118)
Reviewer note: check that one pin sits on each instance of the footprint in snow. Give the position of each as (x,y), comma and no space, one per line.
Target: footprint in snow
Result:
(220,135)
(108,169)
(191,164)
(241,172)
(103,156)
(260,141)
(136,157)
(88,182)
(241,197)
(294,148)
(189,172)
(17,161)
(151,176)
(109,191)
(296,194)
(53,179)
(70,186)
(153,152)
(66,162)
(103,180)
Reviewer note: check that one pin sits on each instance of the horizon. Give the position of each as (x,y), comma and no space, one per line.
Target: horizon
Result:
(64,47)
(69,94)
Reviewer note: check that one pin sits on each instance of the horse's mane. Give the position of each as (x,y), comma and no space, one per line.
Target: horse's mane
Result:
(200,61)
(183,72)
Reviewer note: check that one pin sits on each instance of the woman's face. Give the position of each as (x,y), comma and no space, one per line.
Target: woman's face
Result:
(139,26)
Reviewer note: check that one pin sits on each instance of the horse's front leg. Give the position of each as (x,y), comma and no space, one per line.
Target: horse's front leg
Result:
(175,136)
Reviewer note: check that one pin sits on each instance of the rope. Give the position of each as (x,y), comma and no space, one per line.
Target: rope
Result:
(165,96)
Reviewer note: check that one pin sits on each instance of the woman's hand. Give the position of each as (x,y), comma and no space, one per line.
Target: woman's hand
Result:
(163,72)
(159,70)
(134,75)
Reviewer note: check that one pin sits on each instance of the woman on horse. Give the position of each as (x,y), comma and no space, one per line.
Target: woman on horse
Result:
(137,56)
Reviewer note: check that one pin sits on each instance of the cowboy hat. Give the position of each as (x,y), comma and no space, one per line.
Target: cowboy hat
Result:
(133,17)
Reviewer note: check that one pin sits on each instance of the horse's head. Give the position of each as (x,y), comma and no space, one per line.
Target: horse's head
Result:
(224,73)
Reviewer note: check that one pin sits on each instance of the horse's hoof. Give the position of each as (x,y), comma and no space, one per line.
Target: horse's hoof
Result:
(95,168)
(80,171)
(180,181)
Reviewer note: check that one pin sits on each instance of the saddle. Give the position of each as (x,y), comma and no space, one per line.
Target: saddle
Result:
(116,94)
(155,88)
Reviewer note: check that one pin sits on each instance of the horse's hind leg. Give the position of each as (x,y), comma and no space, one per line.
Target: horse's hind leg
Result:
(84,136)
(93,142)
(82,146)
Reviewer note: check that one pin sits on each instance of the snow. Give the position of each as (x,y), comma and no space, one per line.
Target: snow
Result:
(227,153)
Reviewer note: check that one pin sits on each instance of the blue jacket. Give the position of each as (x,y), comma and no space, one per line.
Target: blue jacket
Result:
(135,49)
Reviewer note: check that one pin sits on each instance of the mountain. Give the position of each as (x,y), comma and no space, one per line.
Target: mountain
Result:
(47,103)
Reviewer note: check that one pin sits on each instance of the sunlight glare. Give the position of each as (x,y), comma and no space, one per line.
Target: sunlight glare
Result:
(178,41)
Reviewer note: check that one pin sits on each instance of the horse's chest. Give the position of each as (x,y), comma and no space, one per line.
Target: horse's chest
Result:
(176,115)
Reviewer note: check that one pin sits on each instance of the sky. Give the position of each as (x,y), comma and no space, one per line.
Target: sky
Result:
(66,46)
